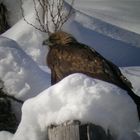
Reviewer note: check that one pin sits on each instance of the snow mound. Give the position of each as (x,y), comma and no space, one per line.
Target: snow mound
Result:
(78,97)
(21,75)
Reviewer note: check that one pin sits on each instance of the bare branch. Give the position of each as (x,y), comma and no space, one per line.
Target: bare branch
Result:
(22,12)
(38,17)
(65,18)
(53,9)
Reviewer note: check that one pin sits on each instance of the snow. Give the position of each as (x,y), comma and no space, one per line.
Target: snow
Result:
(29,39)
(21,75)
(25,74)
(78,97)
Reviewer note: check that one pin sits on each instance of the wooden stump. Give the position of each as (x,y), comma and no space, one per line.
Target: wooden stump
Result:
(74,130)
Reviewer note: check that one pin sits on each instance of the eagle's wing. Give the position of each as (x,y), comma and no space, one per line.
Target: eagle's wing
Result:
(64,61)
(125,83)
(79,58)
(116,71)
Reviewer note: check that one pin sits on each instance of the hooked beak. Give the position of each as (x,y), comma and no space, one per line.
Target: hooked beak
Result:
(45,42)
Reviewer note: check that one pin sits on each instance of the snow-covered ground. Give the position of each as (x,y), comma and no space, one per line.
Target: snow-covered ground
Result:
(25,74)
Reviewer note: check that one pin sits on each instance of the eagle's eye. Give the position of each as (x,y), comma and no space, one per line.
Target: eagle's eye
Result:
(54,39)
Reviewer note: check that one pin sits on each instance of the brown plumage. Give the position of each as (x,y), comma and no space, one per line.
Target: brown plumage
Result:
(67,56)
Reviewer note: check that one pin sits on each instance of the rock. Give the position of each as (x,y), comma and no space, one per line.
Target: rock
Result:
(3,18)
(8,121)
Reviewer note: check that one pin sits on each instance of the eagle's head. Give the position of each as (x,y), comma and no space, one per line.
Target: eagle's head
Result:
(59,38)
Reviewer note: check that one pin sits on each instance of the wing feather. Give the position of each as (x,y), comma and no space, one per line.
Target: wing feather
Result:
(79,58)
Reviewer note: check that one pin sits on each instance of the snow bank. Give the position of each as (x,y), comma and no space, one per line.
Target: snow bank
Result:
(78,97)
(21,75)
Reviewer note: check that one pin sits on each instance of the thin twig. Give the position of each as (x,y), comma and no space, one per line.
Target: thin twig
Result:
(22,12)
(49,9)
(38,17)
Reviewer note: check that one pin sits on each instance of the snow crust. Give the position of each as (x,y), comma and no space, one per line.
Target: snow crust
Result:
(78,97)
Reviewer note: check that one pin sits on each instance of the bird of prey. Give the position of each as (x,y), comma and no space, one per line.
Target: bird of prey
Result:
(67,56)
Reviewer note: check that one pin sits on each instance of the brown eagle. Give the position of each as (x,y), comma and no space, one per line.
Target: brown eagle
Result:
(66,56)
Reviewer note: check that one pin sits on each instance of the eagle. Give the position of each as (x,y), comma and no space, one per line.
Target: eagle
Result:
(67,56)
